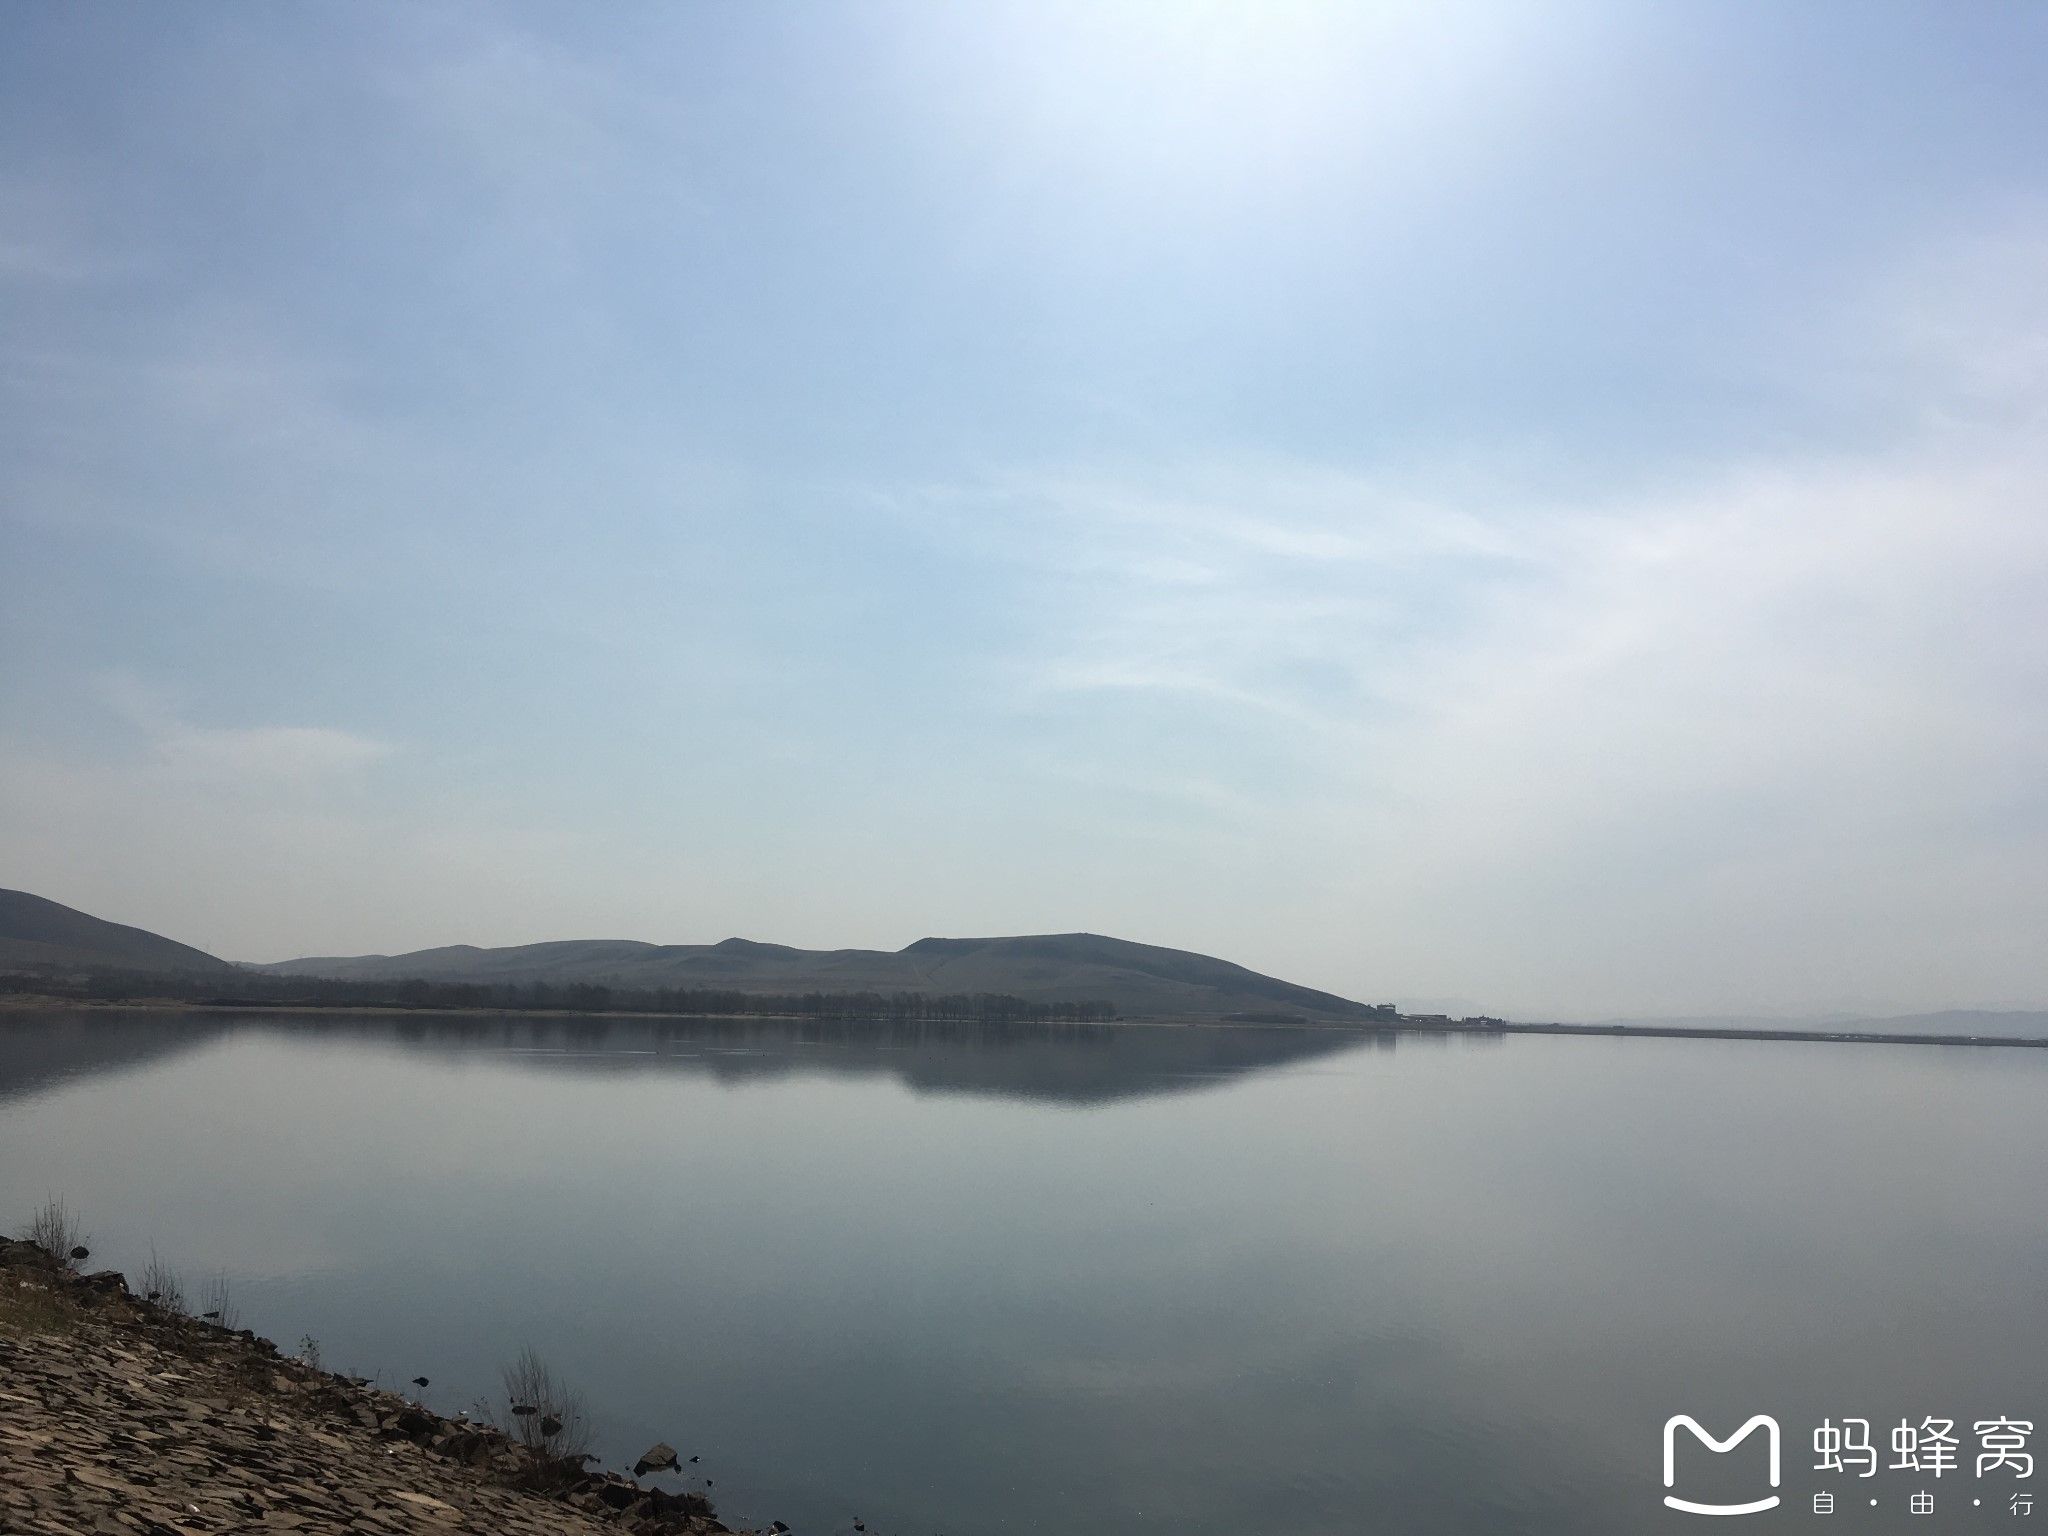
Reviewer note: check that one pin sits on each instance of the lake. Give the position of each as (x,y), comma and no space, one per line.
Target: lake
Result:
(1188,1280)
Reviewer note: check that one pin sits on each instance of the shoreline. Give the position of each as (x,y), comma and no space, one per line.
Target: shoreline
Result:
(1808,1036)
(119,1415)
(25,1002)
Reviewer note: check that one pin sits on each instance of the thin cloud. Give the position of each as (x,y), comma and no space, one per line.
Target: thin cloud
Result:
(1789,710)
(301,756)
(296,754)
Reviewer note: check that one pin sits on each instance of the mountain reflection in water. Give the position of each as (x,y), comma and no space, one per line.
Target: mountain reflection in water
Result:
(1076,1064)
(1193,1281)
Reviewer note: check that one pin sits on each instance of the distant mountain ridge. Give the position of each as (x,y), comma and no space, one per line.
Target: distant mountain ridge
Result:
(1140,979)
(38,933)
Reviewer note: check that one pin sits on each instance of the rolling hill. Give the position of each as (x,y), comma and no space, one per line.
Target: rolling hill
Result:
(39,934)
(1140,979)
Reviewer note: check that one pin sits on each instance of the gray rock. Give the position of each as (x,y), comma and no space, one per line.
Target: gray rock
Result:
(659,1457)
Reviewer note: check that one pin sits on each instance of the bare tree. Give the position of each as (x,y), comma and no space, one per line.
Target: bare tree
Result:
(220,1304)
(549,1417)
(56,1231)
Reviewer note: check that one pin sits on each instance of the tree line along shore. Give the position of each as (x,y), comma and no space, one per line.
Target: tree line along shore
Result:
(260,989)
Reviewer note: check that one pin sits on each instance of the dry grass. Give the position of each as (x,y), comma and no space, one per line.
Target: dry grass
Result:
(220,1308)
(29,1308)
(161,1284)
(250,1376)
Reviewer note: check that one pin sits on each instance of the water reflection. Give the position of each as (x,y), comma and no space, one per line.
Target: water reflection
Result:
(43,1050)
(1191,1281)
(1049,1063)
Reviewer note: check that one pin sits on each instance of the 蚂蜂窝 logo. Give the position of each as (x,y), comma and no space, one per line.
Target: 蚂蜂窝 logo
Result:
(1671,1426)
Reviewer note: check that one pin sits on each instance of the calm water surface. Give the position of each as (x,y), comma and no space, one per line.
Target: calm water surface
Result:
(1152,1280)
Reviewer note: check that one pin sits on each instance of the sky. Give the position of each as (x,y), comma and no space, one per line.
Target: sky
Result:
(1540,508)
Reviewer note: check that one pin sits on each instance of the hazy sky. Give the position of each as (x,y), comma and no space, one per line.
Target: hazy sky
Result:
(1543,505)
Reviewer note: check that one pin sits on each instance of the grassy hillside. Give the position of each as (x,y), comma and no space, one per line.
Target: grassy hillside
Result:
(39,934)
(1141,979)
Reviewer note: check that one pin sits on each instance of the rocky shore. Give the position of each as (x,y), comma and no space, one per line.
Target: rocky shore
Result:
(120,1417)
